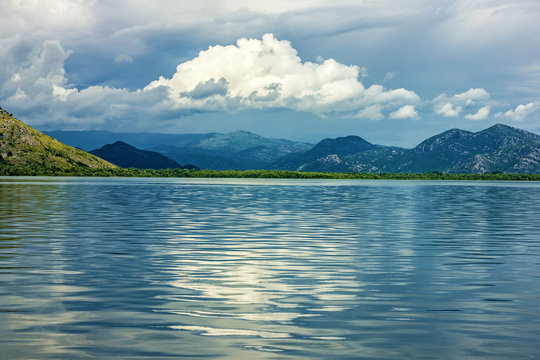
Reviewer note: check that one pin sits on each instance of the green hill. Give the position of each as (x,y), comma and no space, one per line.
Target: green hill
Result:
(127,156)
(23,146)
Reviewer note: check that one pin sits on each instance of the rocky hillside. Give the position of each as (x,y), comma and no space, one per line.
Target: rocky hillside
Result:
(24,146)
(94,139)
(498,148)
(326,154)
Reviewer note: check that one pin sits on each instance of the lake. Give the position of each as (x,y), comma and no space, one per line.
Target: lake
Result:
(131,268)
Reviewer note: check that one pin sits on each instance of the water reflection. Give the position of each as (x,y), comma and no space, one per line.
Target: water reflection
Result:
(145,268)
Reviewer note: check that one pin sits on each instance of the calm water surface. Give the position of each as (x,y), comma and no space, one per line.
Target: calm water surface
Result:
(268,269)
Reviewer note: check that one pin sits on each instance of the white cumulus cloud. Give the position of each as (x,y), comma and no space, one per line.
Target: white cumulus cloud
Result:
(254,74)
(481,114)
(448,109)
(268,73)
(372,112)
(472,95)
(35,86)
(472,99)
(405,112)
(521,111)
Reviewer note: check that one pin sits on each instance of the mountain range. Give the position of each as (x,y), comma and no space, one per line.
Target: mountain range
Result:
(236,150)
(500,148)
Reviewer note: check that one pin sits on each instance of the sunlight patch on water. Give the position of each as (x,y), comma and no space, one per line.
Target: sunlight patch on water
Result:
(209,331)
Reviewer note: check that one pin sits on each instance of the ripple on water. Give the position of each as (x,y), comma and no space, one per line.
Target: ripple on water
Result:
(247,269)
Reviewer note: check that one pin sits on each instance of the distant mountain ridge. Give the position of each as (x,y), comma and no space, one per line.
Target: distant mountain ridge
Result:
(235,150)
(127,156)
(498,148)
(94,139)
(327,150)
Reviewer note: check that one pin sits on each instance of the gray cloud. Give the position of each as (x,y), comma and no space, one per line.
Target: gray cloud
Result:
(254,74)
(123,58)
(208,88)
(445,46)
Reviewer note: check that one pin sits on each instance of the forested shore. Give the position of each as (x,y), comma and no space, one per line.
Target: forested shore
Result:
(14,170)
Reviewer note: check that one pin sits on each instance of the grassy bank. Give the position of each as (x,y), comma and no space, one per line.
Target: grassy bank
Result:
(12,170)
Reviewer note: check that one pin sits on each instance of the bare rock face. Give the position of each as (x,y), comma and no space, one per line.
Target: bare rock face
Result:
(329,160)
(452,139)
(338,147)
(481,163)
(529,163)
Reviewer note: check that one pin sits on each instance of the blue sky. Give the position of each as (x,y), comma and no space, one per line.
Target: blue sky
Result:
(393,72)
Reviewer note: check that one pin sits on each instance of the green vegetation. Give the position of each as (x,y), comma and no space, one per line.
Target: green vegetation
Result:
(27,152)
(23,146)
(7,169)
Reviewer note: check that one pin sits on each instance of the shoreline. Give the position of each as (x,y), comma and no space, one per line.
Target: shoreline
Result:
(267,174)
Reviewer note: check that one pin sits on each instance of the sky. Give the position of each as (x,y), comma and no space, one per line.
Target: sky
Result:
(391,71)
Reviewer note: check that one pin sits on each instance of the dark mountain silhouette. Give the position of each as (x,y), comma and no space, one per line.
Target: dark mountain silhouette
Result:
(127,156)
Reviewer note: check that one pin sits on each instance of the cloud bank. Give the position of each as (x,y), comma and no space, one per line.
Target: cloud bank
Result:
(110,76)
(254,74)
(267,73)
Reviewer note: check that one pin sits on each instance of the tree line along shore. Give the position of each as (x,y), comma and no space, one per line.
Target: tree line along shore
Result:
(15,170)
